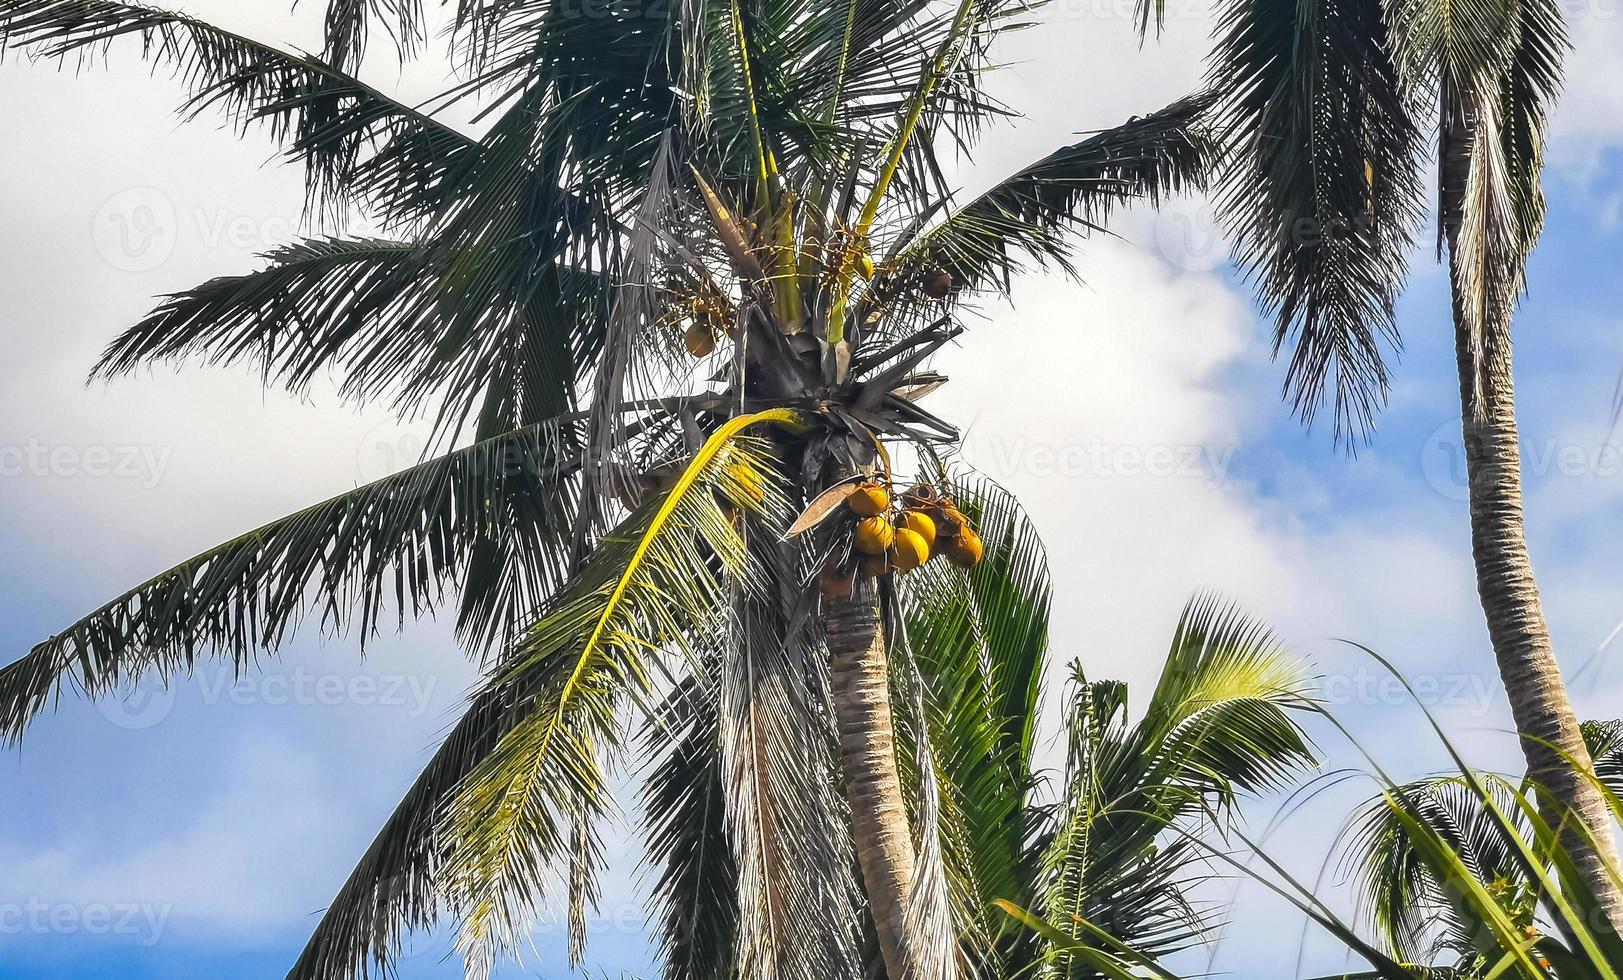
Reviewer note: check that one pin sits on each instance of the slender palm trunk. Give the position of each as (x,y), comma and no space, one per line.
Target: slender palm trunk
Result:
(879,826)
(1521,640)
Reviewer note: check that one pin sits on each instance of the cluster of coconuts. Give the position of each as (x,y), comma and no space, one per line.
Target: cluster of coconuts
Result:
(925,523)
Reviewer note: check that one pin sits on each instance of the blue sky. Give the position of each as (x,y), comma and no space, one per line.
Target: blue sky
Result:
(194,832)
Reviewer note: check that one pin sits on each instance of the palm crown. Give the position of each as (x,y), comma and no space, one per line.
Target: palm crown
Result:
(753,183)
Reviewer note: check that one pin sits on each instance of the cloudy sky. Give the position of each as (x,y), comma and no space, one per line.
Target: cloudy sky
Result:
(196,832)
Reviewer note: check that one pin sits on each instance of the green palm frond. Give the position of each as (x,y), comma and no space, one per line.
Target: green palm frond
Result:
(976,640)
(1402,897)
(653,589)
(408,536)
(373,310)
(1218,725)
(1034,212)
(1322,191)
(329,120)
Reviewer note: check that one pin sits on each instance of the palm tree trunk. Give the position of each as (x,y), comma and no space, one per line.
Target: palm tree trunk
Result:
(879,826)
(1521,639)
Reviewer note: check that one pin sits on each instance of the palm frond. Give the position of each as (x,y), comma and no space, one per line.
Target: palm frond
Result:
(1217,725)
(1401,896)
(977,640)
(1496,70)
(1322,192)
(1034,212)
(655,589)
(406,537)
(372,309)
(348,24)
(330,120)
(685,804)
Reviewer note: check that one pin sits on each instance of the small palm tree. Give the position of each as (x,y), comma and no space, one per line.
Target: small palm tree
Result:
(1108,870)
(1448,866)
(752,184)
(1321,109)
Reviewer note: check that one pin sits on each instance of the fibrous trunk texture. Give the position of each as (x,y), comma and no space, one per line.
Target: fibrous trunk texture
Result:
(861,689)
(1551,738)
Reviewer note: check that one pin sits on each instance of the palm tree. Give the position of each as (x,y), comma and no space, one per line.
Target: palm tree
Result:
(1109,871)
(1432,856)
(752,184)
(1321,111)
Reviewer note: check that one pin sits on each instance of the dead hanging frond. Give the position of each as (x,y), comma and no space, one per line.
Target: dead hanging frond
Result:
(790,835)
(632,317)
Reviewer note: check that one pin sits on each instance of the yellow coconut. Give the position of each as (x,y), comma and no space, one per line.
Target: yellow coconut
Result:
(909,550)
(874,535)
(869,500)
(700,339)
(919,523)
(965,550)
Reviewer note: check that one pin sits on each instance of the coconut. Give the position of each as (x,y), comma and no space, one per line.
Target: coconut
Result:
(937,283)
(700,339)
(909,550)
(869,500)
(919,523)
(965,550)
(874,535)
(836,582)
(949,520)
(921,496)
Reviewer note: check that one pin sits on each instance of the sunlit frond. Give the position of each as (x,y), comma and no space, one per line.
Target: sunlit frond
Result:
(654,589)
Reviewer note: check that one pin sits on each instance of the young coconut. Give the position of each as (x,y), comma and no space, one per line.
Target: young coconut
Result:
(874,535)
(870,500)
(909,550)
(700,339)
(964,550)
(937,283)
(949,520)
(919,523)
